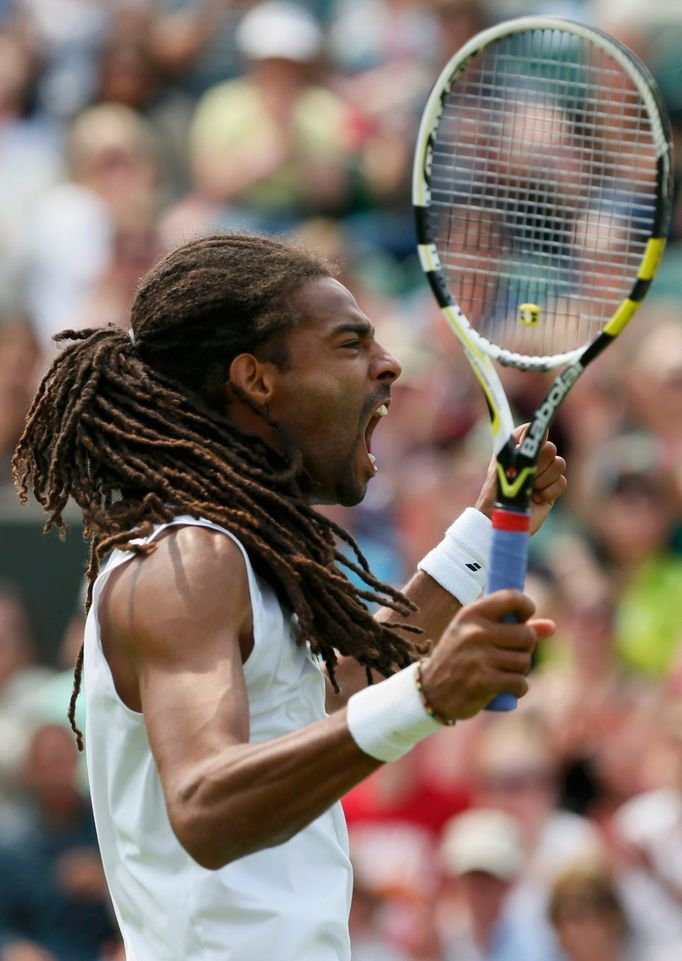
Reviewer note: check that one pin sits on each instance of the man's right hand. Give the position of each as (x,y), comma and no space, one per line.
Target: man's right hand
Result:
(478,657)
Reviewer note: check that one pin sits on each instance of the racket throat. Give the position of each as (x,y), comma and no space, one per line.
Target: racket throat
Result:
(546,412)
(515,473)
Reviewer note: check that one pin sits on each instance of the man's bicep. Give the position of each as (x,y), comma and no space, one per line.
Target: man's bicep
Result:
(186,611)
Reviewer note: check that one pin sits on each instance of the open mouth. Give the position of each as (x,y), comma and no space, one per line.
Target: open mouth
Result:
(376,416)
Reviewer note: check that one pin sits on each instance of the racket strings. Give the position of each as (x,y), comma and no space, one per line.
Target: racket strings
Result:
(543,189)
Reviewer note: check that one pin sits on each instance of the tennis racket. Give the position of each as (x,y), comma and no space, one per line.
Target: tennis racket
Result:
(542,189)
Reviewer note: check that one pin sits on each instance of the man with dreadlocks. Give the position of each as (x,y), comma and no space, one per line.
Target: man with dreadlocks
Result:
(248,391)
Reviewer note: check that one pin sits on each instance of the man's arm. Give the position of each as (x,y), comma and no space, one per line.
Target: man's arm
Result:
(436,607)
(174,638)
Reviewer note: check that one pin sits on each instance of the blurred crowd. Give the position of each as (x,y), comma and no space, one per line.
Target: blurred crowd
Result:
(127,126)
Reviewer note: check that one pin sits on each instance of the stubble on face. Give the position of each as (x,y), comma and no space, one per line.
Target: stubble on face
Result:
(328,393)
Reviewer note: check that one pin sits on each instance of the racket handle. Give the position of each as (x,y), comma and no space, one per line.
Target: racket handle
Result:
(508,563)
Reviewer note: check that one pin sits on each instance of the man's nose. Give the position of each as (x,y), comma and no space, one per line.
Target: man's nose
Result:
(385,366)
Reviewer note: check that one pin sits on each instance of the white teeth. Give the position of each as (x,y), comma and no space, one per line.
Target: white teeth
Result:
(382,411)
(373,461)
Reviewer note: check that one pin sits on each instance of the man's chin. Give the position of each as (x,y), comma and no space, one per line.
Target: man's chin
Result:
(347,493)
(351,499)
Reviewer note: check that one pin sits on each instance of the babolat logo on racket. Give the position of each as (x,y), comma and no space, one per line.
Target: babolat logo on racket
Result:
(545,413)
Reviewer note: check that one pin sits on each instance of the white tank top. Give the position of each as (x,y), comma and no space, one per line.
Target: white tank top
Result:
(287,903)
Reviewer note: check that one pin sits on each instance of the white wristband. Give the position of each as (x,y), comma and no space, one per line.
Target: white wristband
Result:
(387,719)
(459,563)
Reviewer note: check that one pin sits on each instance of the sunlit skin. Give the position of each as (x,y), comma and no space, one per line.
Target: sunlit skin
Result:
(176,639)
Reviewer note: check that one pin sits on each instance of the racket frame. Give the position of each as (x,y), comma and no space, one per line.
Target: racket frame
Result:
(517,465)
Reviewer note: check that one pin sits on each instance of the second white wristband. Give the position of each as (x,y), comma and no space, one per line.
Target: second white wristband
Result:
(459,562)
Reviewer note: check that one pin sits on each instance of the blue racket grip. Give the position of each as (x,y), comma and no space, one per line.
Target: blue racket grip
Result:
(507,568)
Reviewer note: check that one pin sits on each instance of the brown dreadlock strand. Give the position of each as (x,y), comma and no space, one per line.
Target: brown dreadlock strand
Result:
(136,434)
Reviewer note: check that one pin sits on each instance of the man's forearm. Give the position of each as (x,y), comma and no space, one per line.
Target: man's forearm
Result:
(435,607)
(253,796)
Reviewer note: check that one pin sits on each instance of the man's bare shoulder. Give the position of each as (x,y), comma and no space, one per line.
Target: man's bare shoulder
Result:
(195,576)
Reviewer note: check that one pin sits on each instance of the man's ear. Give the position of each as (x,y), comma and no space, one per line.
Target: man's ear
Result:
(253,377)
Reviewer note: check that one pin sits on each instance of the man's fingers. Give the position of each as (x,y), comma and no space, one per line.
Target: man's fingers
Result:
(503,603)
(517,636)
(550,467)
(548,494)
(513,662)
(520,432)
(506,682)
(549,462)
(548,450)
(487,649)
(543,627)
(550,480)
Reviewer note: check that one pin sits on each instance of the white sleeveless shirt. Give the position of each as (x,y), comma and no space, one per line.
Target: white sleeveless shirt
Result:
(287,903)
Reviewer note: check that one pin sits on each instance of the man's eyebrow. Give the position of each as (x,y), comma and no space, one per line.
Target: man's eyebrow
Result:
(362,327)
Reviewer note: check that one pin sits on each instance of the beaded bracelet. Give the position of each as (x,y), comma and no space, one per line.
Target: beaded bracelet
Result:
(432,712)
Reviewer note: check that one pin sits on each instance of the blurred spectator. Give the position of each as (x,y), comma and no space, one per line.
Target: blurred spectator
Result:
(56,691)
(632,512)
(274,145)
(653,386)
(648,837)
(53,894)
(21,679)
(483,856)
(386,55)
(20,364)
(129,73)
(516,771)
(421,791)
(591,922)
(366,34)
(192,42)
(90,233)
(588,704)
(434,484)
(458,21)
(395,821)
(29,160)
(383,55)
(126,73)
(634,21)
(367,936)
(68,34)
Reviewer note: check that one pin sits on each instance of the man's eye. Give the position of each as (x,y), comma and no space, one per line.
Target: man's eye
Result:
(352,344)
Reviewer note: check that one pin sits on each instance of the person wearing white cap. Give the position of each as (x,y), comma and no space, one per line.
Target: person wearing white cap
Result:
(483,856)
(272,146)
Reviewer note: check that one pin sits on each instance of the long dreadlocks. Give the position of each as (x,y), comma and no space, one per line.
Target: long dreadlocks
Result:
(135,433)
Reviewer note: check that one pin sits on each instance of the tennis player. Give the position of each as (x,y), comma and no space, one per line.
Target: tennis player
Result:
(247,391)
